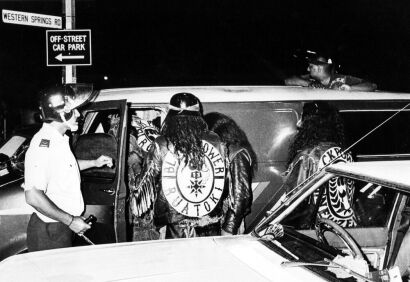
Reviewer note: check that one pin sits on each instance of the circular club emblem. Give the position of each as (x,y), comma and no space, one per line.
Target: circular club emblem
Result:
(146,133)
(337,205)
(194,192)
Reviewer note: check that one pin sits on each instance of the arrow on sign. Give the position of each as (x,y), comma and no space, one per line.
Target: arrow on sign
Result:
(60,57)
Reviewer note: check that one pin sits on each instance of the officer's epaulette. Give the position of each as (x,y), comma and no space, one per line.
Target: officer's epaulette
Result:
(44,143)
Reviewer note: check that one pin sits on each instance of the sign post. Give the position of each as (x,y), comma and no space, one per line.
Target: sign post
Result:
(69,48)
(69,71)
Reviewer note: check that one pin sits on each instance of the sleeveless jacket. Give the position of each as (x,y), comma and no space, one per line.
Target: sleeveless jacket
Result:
(169,188)
(337,200)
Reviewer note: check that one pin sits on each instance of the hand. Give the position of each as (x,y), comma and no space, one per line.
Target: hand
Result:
(344,87)
(224,233)
(78,225)
(103,160)
(316,84)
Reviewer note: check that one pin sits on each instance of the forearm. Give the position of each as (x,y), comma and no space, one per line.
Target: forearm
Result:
(38,200)
(364,86)
(86,164)
(297,81)
(99,162)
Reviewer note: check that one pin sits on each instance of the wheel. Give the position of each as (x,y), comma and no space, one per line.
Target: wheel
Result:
(324,224)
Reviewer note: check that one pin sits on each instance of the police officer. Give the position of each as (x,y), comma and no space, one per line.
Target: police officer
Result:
(182,183)
(52,179)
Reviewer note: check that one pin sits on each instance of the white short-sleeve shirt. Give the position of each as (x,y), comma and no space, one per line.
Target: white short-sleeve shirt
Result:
(51,166)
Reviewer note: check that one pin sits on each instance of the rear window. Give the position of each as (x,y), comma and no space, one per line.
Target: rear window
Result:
(392,138)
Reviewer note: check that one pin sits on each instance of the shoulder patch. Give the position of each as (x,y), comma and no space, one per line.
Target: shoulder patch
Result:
(146,132)
(44,143)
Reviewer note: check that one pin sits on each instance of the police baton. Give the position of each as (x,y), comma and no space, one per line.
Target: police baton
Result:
(90,219)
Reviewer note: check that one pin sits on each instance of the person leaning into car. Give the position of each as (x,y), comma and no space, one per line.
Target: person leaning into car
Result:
(322,75)
(52,179)
(182,181)
(320,141)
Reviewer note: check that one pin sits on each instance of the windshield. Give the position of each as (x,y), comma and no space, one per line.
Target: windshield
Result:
(13,152)
(12,145)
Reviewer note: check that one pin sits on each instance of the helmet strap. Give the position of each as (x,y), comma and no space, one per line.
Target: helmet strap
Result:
(63,118)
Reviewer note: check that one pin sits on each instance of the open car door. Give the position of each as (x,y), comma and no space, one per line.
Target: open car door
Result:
(104,189)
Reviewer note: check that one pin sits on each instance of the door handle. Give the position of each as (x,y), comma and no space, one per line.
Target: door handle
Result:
(109,191)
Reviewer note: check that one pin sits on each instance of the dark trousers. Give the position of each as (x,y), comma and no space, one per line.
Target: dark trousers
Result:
(47,235)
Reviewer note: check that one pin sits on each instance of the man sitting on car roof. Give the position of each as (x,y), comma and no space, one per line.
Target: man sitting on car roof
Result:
(322,75)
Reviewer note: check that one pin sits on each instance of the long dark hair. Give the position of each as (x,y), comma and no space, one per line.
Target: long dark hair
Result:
(321,122)
(230,133)
(185,133)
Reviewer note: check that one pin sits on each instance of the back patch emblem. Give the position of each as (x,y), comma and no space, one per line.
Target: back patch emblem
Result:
(44,143)
(337,205)
(194,192)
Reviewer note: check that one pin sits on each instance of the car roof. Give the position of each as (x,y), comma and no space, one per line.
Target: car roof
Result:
(161,95)
(392,174)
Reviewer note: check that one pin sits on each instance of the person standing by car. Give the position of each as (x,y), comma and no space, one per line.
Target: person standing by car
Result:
(182,182)
(319,142)
(242,160)
(51,175)
(322,75)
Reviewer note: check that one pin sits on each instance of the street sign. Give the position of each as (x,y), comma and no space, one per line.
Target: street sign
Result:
(16,17)
(69,47)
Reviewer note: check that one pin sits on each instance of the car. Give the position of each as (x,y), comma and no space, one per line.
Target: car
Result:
(267,114)
(274,251)
(14,213)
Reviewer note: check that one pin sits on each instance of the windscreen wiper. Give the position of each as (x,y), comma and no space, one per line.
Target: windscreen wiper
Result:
(327,263)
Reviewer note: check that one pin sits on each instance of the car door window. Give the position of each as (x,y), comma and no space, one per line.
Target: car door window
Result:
(373,204)
(104,121)
(376,145)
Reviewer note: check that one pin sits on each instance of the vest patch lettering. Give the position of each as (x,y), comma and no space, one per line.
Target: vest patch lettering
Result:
(194,192)
(146,132)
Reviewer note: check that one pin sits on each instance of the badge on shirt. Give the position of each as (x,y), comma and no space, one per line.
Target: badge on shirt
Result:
(44,143)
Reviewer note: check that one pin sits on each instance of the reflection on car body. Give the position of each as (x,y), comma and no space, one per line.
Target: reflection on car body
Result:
(274,251)
(268,115)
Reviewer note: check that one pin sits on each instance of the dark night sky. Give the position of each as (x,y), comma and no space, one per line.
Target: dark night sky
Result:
(211,42)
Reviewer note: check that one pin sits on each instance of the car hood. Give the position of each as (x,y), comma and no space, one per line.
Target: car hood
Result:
(234,258)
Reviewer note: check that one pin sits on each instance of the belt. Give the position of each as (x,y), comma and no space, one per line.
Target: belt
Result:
(188,225)
(199,222)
